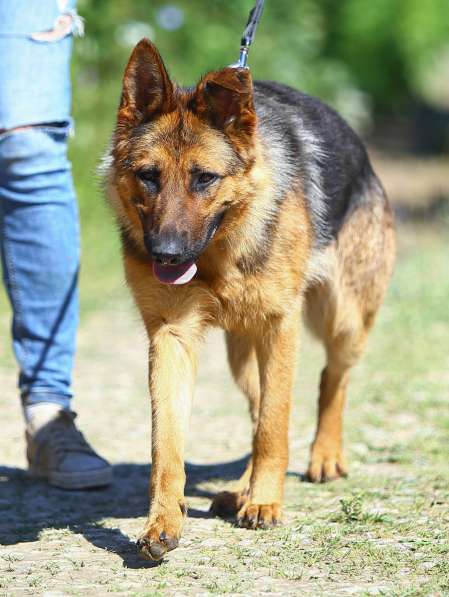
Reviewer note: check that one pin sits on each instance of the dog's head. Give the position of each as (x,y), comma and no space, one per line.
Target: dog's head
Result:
(180,158)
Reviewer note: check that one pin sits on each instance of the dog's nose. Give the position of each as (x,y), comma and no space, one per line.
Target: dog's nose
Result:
(166,258)
(166,249)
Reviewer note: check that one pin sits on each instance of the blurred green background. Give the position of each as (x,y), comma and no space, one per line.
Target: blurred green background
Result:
(384,65)
(366,58)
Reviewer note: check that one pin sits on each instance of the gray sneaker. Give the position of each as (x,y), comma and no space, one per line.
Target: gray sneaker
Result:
(58,453)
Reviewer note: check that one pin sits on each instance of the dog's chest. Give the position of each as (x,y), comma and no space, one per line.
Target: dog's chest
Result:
(247,302)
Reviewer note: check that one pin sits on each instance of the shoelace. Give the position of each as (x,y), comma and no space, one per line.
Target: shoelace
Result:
(62,437)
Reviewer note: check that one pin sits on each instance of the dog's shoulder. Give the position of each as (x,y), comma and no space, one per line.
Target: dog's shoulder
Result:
(309,143)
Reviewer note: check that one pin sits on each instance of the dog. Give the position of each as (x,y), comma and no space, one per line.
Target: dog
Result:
(244,206)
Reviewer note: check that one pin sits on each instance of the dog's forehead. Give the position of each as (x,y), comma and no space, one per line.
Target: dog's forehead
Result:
(184,138)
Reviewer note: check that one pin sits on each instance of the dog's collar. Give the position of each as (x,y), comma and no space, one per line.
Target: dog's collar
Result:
(248,34)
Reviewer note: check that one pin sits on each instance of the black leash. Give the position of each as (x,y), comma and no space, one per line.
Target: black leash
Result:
(249,33)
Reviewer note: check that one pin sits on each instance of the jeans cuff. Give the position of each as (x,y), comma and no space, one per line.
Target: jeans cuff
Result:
(39,396)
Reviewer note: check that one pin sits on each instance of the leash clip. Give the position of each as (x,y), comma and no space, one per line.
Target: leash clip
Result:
(243,58)
(249,34)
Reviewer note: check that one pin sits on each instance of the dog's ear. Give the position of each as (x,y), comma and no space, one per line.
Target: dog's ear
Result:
(225,98)
(147,89)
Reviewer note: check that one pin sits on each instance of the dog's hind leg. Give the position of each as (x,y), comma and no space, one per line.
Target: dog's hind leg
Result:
(341,310)
(327,459)
(245,370)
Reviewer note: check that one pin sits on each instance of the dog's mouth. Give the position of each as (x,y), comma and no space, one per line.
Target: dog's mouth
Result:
(184,272)
(175,274)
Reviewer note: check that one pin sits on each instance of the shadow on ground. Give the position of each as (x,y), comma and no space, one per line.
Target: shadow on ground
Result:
(28,507)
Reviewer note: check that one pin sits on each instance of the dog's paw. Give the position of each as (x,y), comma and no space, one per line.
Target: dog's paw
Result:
(226,504)
(161,534)
(326,464)
(153,547)
(259,516)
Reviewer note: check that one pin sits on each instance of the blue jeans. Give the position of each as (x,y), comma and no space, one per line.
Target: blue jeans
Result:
(39,227)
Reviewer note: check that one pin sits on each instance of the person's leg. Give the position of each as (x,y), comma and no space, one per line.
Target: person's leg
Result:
(39,240)
(39,233)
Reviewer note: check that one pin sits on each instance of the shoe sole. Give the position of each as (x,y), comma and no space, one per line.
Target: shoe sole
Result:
(82,480)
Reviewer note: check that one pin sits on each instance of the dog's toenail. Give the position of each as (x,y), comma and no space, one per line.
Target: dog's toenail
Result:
(157,550)
(171,543)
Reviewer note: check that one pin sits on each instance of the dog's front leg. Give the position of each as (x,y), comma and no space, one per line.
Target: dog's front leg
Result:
(172,365)
(277,352)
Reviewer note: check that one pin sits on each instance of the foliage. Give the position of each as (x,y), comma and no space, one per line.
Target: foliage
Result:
(385,49)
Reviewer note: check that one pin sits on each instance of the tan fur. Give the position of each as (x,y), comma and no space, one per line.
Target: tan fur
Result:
(342,286)
(340,310)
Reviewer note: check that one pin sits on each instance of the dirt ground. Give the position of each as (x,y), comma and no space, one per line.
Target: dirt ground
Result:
(383,531)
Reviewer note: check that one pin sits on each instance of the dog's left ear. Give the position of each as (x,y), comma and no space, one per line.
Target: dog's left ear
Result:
(225,98)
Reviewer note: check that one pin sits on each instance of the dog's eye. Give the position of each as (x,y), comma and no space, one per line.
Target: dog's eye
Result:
(207,178)
(151,178)
(201,180)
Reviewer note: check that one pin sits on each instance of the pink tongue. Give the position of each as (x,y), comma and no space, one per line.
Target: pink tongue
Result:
(174,274)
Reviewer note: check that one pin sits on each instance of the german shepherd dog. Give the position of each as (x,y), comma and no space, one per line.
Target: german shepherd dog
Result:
(243,205)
